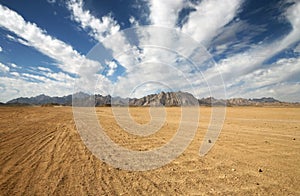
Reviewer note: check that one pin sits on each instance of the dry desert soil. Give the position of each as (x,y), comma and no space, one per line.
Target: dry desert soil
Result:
(257,153)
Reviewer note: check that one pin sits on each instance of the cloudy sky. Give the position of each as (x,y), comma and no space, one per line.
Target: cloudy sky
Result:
(229,48)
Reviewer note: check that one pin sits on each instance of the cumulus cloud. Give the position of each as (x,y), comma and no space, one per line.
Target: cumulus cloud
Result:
(125,52)
(112,66)
(4,68)
(100,28)
(141,64)
(1,49)
(165,13)
(164,63)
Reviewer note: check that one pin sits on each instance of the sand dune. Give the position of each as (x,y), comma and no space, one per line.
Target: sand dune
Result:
(258,152)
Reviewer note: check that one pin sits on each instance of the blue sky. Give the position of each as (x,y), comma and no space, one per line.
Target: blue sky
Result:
(46,46)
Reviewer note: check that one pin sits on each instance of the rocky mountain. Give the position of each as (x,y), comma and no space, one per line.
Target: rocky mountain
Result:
(166,99)
(40,100)
(253,102)
(161,99)
(265,100)
(209,101)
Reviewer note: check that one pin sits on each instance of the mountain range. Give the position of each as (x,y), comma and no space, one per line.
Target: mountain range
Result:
(160,99)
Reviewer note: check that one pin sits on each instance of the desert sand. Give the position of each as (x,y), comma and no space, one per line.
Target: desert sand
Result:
(257,152)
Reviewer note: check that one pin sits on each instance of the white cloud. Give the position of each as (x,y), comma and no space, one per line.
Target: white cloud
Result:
(221,48)
(112,66)
(133,22)
(60,76)
(280,72)
(68,58)
(51,1)
(165,13)
(292,14)
(161,63)
(230,40)
(242,72)
(37,77)
(241,64)
(141,65)
(24,86)
(297,48)
(14,65)
(203,25)
(10,37)
(105,31)
(4,68)
(283,91)
(1,49)
(270,81)
(206,23)
(211,15)
(127,54)
(44,69)
(17,84)
(16,74)
(100,28)
(17,39)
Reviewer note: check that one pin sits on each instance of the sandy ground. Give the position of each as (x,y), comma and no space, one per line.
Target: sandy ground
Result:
(258,152)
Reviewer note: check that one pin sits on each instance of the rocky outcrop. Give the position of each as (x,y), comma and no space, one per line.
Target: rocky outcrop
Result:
(165,99)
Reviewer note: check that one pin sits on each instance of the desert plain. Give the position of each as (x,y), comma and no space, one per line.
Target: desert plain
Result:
(257,153)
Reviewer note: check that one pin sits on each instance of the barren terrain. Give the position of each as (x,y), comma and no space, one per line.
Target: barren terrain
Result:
(258,152)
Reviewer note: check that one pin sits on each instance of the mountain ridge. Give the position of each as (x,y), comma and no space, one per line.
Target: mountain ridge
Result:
(159,99)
